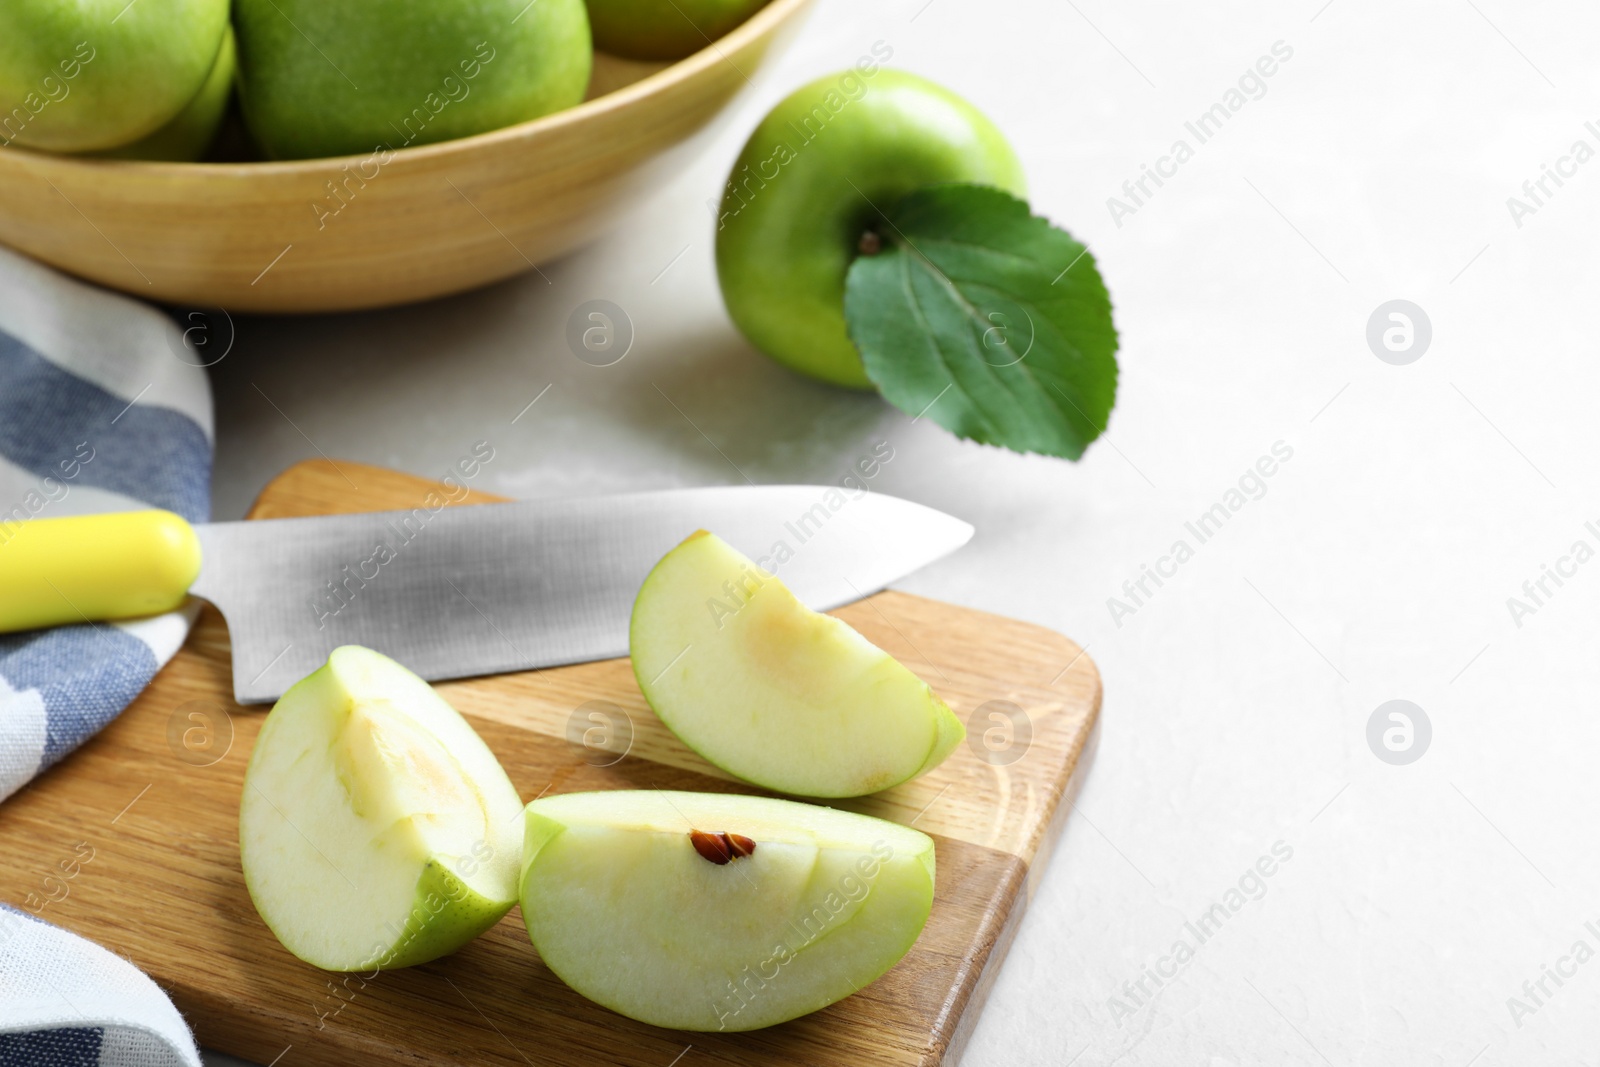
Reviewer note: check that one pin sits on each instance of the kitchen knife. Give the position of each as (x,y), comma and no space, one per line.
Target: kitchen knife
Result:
(450,592)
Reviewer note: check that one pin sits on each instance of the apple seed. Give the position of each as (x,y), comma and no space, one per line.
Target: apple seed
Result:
(721,847)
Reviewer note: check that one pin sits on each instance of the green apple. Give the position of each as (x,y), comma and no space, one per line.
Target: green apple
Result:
(817,174)
(324,79)
(187,136)
(773,692)
(701,911)
(83,75)
(376,829)
(664,29)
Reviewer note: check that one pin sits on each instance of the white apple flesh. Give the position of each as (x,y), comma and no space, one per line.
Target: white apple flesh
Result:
(773,692)
(808,906)
(376,829)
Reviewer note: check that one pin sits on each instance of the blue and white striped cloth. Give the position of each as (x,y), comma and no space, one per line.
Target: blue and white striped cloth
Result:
(98,412)
(66,1002)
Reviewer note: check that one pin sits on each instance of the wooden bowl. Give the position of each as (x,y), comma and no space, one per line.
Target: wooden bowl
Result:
(357,232)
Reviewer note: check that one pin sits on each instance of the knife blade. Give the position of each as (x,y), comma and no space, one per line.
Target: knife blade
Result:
(490,588)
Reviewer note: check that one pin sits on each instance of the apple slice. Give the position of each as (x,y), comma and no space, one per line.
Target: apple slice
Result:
(376,828)
(703,911)
(771,691)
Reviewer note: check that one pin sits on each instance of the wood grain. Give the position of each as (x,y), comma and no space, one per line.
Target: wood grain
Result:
(435,219)
(164,887)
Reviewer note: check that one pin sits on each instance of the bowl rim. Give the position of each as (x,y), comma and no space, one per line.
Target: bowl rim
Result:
(768,19)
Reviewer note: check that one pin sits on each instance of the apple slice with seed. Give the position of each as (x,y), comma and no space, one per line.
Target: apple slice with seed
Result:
(773,692)
(705,911)
(376,829)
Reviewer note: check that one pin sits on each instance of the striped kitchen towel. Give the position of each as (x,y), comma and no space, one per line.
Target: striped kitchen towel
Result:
(67,1002)
(102,408)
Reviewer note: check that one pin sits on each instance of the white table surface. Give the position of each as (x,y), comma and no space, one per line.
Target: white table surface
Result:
(1377,565)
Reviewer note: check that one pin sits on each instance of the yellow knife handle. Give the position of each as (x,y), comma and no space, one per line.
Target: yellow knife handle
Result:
(94,567)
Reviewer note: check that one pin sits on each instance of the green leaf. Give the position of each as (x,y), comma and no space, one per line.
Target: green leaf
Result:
(990,321)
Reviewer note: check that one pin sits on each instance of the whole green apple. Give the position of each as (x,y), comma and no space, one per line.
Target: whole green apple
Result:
(664,29)
(190,132)
(817,175)
(91,74)
(328,79)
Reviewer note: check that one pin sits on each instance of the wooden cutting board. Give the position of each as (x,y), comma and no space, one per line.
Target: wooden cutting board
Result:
(132,842)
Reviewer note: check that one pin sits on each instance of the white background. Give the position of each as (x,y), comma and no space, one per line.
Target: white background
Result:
(1377,565)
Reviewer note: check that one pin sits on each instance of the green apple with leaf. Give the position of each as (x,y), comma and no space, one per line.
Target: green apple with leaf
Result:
(664,29)
(872,235)
(815,176)
(94,74)
(328,79)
